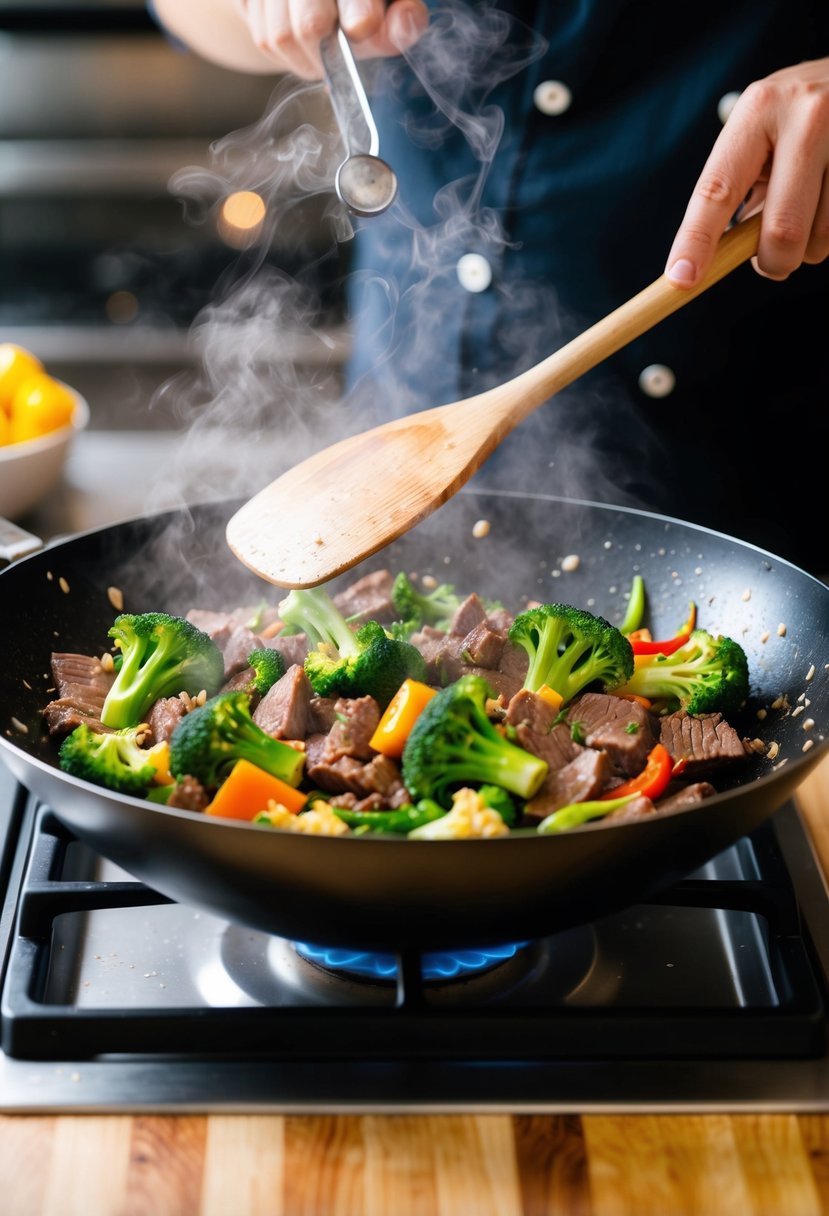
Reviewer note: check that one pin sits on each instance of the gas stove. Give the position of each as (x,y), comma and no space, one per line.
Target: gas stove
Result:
(713,997)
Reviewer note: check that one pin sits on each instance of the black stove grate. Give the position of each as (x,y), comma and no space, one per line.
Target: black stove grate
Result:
(411,1027)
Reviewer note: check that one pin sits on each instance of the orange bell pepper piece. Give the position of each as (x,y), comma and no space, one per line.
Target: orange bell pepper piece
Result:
(551,696)
(247,790)
(399,717)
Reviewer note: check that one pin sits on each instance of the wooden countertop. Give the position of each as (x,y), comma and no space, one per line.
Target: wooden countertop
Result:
(406,1165)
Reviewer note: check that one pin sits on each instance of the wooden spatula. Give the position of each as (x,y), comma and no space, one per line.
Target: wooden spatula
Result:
(349,500)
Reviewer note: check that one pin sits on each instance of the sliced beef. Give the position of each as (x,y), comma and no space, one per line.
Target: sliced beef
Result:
(706,741)
(63,716)
(293,647)
(529,709)
(369,599)
(284,712)
(356,720)
(81,679)
(624,729)
(322,714)
(690,795)
(189,795)
(231,634)
(372,802)
(164,717)
(483,646)
(579,781)
(381,775)
(469,614)
(536,729)
(637,808)
(82,685)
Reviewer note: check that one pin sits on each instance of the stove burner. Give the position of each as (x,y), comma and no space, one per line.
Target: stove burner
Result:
(444,965)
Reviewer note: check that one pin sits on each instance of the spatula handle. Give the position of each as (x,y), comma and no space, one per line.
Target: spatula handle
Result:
(629,321)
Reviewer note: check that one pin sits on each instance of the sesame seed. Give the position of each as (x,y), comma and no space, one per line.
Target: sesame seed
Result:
(809,724)
(481,529)
(764,636)
(773,749)
(762,714)
(116,597)
(21,726)
(570,562)
(797,711)
(808,745)
(429,582)
(810,674)
(746,596)
(64,586)
(781,630)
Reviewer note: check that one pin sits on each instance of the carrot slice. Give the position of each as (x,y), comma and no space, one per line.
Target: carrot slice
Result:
(247,791)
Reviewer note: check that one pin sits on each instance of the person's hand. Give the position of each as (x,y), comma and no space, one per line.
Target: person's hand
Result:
(289,31)
(773,152)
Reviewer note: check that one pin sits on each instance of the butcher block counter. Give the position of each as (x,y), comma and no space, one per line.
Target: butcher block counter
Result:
(468,1164)
(425,1165)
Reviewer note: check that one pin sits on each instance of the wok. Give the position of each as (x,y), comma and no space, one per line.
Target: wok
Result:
(386,894)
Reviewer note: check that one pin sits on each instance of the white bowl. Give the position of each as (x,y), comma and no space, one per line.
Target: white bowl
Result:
(29,470)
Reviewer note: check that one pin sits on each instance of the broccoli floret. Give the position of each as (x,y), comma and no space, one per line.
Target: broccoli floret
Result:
(453,743)
(499,800)
(161,656)
(570,648)
(348,663)
(115,760)
(707,675)
(417,608)
(268,667)
(209,740)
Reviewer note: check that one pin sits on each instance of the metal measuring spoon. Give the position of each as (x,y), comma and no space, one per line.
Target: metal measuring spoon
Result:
(364,182)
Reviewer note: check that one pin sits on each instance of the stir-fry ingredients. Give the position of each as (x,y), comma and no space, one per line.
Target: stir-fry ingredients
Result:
(399,717)
(704,674)
(387,709)
(570,648)
(365,662)
(115,760)
(210,739)
(454,742)
(160,656)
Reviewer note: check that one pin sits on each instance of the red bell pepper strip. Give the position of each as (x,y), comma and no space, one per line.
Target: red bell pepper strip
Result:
(644,645)
(652,780)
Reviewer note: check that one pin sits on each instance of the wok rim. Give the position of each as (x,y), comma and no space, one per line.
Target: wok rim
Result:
(807,761)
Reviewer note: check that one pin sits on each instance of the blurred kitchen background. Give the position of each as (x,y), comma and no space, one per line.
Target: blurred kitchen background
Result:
(104,268)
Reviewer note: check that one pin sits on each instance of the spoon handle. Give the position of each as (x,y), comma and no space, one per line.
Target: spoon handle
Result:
(632,319)
(348,97)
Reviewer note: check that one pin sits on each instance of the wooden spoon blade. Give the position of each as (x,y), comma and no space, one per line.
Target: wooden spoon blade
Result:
(346,502)
(351,499)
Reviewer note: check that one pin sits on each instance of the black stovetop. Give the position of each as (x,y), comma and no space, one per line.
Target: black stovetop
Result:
(116,999)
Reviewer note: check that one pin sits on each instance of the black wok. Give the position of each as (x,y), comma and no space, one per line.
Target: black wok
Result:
(388,894)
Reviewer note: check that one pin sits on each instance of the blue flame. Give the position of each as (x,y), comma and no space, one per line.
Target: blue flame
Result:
(442,965)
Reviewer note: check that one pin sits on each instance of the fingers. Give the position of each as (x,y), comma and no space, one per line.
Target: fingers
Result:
(289,31)
(774,151)
(734,166)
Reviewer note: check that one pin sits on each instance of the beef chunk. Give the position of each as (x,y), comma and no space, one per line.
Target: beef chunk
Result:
(483,646)
(285,710)
(534,720)
(189,795)
(689,795)
(381,775)
(81,679)
(231,634)
(82,685)
(470,613)
(164,717)
(621,728)
(706,741)
(293,647)
(356,721)
(637,808)
(322,714)
(372,802)
(580,780)
(369,599)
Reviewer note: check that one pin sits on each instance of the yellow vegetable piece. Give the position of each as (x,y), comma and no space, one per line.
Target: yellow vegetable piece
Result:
(248,790)
(16,365)
(39,406)
(159,757)
(551,696)
(399,717)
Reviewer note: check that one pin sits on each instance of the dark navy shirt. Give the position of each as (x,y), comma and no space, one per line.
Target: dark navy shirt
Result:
(580,128)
